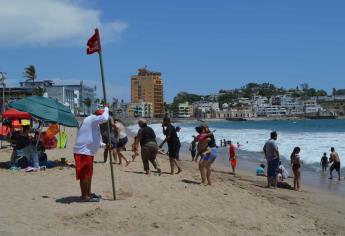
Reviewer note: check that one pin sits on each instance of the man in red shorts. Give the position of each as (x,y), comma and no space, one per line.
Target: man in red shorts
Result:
(87,143)
(233,158)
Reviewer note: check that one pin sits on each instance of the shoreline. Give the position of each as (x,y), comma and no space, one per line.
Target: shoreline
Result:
(249,161)
(132,121)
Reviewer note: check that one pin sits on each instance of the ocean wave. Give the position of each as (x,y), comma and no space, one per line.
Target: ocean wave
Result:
(312,144)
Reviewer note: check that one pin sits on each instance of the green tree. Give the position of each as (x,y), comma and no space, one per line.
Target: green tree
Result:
(30,73)
(87,102)
(39,91)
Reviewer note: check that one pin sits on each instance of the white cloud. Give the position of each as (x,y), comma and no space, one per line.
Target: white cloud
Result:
(52,22)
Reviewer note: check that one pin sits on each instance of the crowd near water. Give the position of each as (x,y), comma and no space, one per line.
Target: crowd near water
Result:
(314,137)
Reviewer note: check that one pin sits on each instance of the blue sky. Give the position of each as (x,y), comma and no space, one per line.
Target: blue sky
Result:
(200,46)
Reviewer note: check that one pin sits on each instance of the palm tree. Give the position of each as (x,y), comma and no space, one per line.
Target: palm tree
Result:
(87,102)
(30,73)
(39,91)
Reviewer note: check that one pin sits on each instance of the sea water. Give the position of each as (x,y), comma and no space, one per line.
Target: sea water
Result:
(314,137)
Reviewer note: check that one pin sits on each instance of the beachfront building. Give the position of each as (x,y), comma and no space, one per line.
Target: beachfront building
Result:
(13,94)
(205,110)
(311,106)
(120,109)
(72,96)
(185,110)
(140,109)
(271,111)
(147,86)
(236,114)
(64,95)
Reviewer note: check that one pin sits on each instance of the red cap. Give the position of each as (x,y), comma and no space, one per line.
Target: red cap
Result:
(99,112)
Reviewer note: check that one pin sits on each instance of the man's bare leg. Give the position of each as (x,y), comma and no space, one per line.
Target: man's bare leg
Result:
(178,167)
(121,156)
(105,155)
(202,171)
(84,187)
(171,160)
(208,172)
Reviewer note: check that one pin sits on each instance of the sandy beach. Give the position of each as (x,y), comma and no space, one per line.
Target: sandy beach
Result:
(47,203)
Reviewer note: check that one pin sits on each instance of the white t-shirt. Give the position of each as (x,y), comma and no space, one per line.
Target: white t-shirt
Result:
(88,136)
(122,133)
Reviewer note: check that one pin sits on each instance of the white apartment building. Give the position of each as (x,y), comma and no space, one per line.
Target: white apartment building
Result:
(311,106)
(140,109)
(185,110)
(270,111)
(205,110)
(235,113)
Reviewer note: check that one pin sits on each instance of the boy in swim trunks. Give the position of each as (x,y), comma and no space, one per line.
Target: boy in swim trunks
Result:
(232,158)
(335,160)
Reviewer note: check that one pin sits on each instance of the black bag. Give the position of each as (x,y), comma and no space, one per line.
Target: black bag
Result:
(22,163)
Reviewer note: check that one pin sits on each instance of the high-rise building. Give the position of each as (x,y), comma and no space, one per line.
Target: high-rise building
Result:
(147,86)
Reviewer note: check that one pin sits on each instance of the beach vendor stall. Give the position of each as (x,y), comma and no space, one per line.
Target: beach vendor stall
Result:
(12,119)
(48,111)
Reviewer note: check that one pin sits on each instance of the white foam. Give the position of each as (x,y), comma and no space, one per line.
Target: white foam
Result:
(312,144)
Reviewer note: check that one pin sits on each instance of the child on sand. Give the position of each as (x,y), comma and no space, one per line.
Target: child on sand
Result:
(260,171)
(232,157)
(203,140)
(135,149)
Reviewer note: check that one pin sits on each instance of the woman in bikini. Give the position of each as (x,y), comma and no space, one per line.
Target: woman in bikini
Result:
(296,167)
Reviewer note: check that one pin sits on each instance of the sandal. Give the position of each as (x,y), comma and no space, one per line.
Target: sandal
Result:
(94,195)
(91,199)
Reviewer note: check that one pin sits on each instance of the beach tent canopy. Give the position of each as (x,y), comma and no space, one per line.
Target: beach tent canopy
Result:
(46,109)
(13,113)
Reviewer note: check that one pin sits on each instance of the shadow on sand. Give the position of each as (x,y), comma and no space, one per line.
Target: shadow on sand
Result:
(69,200)
(5,165)
(187,181)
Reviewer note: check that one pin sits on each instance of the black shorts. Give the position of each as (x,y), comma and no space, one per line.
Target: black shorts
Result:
(122,142)
(193,153)
(173,150)
(335,166)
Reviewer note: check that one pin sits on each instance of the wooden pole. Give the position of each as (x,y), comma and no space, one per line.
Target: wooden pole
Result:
(108,126)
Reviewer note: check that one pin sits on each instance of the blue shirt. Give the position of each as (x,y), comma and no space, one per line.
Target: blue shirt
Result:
(260,171)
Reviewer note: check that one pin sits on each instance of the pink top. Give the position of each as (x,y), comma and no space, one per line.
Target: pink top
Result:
(201,137)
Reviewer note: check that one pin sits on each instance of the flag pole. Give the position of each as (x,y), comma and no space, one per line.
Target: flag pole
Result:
(109,153)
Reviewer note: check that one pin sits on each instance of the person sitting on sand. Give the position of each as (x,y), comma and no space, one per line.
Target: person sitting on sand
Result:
(260,171)
(149,148)
(87,143)
(324,162)
(335,160)
(296,166)
(282,172)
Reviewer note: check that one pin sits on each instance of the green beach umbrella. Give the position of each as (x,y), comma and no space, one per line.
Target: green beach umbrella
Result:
(46,109)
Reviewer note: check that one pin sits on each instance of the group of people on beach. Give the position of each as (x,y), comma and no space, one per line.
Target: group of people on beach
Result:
(272,156)
(101,125)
